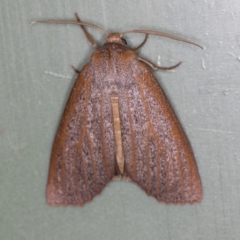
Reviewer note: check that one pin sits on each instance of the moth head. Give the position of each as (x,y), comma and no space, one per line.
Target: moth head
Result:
(116,38)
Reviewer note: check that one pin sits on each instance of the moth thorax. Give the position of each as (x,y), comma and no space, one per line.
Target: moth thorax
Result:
(117,132)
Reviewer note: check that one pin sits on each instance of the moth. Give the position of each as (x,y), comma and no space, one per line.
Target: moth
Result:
(118,124)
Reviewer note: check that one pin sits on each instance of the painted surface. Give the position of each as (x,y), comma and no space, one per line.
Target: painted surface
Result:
(36,79)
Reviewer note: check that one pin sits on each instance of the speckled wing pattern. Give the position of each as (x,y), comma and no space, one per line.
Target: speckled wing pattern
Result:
(158,156)
(82,161)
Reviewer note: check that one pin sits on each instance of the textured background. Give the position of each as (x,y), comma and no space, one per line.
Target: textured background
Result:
(36,79)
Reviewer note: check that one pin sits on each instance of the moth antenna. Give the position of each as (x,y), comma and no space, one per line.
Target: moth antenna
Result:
(162,34)
(71,22)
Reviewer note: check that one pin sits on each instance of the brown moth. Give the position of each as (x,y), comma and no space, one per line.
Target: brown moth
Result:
(119,124)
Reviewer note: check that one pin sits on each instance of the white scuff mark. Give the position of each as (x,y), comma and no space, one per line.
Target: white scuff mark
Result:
(57,75)
(203,64)
(214,130)
(211,5)
(159,60)
(14,105)
(225,92)
(236,57)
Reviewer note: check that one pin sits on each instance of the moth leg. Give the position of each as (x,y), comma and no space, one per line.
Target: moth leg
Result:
(139,46)
(154,67)
(89,37)
(75,70)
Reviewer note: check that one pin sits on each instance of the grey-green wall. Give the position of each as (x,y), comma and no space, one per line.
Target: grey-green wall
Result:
(36,79)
